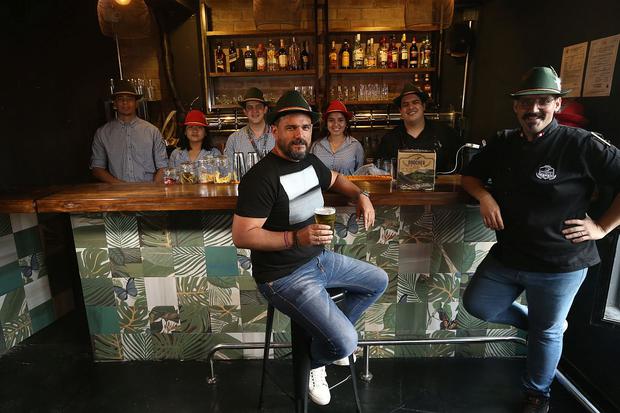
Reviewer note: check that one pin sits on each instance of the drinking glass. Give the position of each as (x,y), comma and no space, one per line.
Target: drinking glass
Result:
(388,167)
(326,216)
(251,158)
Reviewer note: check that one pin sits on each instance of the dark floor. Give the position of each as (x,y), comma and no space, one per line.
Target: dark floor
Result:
(53,372)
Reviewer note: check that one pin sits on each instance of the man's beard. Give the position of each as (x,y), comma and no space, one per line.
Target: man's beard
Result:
(288,150)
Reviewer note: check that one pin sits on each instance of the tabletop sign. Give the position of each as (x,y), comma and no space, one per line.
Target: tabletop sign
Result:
(416,170)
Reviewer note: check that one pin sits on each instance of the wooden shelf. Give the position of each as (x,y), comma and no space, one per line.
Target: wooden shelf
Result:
(264,33)
(264,74)
(367,102)
(372,29)
(380,71)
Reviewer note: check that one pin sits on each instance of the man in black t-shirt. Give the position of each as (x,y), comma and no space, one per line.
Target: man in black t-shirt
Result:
(275,220)
(542,178)
(417,132)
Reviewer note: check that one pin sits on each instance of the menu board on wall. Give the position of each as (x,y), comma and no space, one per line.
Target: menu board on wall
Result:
(573,63)
(601,63)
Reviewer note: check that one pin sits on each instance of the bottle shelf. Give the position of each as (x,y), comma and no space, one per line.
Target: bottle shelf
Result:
(264,74)
(367,102)
(259,33)
(380,71)
(373,29)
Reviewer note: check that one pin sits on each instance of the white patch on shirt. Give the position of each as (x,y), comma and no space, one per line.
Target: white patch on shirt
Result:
(304,194)
(546,172)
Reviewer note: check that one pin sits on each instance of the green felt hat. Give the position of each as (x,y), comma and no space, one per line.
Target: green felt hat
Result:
(411,89)
(540,81)
(253,94)
(291,102)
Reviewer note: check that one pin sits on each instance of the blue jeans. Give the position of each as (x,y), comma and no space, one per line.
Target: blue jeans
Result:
(301,295)
(491,296)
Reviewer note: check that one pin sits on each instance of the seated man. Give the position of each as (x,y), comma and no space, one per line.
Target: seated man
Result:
(416,132)
(128,149)
(275,219)
(256,135)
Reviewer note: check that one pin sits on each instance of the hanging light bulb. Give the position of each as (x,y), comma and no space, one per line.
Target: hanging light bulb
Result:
(123,2)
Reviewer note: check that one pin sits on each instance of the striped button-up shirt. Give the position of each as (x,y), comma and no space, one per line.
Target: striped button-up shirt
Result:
(239,141)
(131,151)
(347,158)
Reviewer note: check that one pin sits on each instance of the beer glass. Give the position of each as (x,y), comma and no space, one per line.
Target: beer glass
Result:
(326,216)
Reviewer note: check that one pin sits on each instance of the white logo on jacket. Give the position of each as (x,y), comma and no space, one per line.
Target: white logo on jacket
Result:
(546,172)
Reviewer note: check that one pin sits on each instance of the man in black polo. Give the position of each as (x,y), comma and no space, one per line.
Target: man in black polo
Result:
(542,178)
(416,132)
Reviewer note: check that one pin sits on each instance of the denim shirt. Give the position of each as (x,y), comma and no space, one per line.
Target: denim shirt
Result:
(239,141)
(131,151)
(347,158)
(178,156)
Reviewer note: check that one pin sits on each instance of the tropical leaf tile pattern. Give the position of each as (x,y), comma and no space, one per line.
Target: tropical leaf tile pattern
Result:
(24,279)
(206,294)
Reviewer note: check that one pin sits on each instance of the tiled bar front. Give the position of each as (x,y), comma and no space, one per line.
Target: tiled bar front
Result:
(170,285)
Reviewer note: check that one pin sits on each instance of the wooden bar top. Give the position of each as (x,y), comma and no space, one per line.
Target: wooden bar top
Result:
(22,200)
(157,197)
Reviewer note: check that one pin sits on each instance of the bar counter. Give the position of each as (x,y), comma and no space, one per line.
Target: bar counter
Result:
(154,197)
(162,279)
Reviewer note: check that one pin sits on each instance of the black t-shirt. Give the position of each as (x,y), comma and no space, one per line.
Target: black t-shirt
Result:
(540,184)
(286,193)
(435,136)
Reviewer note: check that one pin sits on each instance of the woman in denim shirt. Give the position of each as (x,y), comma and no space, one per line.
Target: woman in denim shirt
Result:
(194,144)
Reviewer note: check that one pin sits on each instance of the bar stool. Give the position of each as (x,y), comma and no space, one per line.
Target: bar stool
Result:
(300,344)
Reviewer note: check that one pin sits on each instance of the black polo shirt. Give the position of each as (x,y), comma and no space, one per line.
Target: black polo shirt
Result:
(435,136)
(540,184)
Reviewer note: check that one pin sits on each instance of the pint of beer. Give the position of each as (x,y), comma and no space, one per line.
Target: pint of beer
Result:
(325,216)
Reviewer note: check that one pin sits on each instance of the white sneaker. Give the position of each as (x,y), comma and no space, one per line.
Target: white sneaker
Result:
(344,361)
(318,389)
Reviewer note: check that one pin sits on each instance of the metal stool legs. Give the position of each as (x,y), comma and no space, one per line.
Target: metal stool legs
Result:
(300,342)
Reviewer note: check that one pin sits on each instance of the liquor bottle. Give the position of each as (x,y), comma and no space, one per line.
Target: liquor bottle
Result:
(305,57)
(427,53)
(333,56)
(220,59)
(261,58)
(232,57)
(413,54)
(282,56)
(248,58)
(426,86)
(272,61)
(393,53)
(345,56)
(404,53)
(371,57)
(294,56)
(382,54)
(358,53)
(416,80)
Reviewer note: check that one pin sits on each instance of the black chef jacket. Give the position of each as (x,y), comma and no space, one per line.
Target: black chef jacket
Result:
(540,184)
(435,136)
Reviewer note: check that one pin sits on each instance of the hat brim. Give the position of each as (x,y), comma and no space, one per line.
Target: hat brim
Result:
(529,92)
(136,95)
(423,97)
(348,115)
(271,117)
(195,124)
(244,101)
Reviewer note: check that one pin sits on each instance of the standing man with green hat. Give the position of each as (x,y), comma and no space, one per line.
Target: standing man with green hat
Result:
(256,136)
(128,149)
(542,178)
(416,132)
(275,220)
